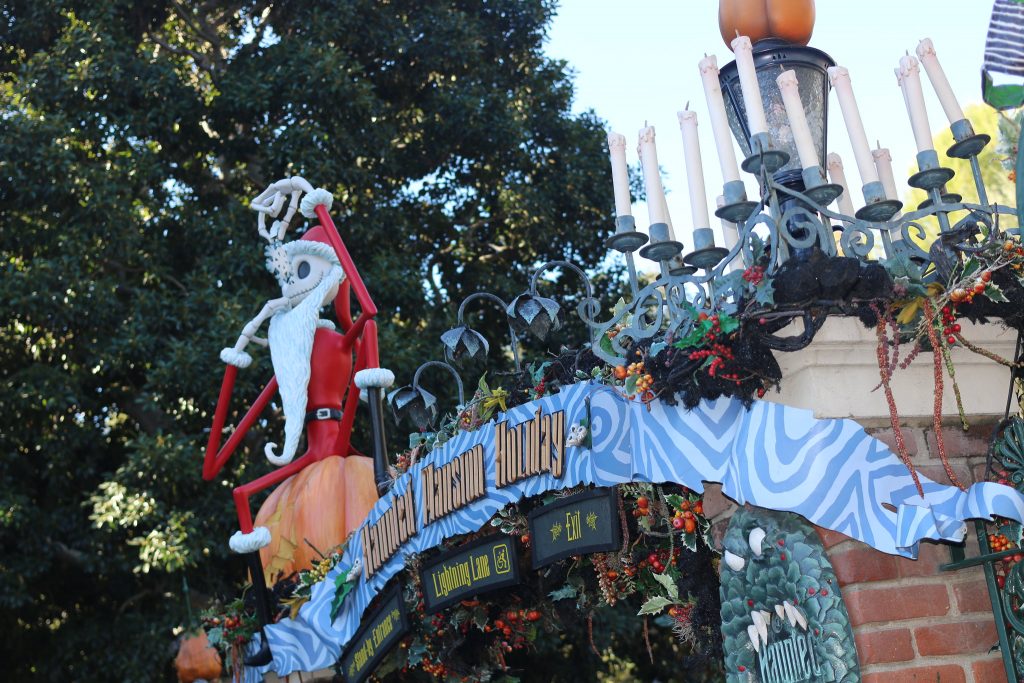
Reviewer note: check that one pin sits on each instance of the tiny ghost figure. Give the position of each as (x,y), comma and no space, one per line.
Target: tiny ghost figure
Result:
(326,492)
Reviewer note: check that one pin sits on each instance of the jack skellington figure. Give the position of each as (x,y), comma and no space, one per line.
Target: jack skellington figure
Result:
(313,370)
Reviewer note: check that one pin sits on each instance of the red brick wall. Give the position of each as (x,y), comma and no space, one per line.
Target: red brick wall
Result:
(913,622)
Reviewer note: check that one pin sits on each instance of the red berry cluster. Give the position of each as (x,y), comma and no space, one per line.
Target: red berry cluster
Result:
(659,560)
(754,275)
(950,327)
(999,543)
(237,628)
(643,507)
(685,518)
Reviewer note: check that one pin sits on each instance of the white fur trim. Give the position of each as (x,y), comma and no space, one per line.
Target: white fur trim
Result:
(375,378)
(314,199)
(323,322)
(258,538)
(240,359)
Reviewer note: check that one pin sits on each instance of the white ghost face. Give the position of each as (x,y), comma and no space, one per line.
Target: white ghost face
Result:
(307,271)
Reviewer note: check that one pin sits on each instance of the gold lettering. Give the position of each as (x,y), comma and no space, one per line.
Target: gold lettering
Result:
(572,526)
(428,500)
(364,534)
(557,431)
(458,496)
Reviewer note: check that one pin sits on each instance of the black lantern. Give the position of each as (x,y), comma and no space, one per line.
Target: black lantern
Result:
(771,57)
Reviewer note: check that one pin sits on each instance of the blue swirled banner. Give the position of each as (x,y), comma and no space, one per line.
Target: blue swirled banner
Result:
(773,456)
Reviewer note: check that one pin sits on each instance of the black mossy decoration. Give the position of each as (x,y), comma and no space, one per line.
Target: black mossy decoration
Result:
(874,283)
(837,276)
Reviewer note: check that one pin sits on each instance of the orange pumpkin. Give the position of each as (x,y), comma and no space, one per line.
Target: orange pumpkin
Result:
(790,20)
(197,659)
(321,504)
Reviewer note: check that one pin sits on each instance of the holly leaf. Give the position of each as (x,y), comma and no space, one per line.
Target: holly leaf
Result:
(215,635)
(416,652)
(764,294)
(566,592)
(971,266)
(995,294)
(728,324)
(654,605)
(669,584)
(675,500)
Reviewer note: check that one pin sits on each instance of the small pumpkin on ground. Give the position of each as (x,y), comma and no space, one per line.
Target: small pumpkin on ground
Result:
(197,660)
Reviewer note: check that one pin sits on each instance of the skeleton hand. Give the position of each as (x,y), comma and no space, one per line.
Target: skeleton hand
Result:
(236,355)
(271,201)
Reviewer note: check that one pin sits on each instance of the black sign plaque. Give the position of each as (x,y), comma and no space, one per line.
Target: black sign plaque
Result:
(379,633)
(585,523)
(472,569)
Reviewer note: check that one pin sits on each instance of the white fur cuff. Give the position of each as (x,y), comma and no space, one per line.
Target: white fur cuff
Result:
(240,359)
(375,378)
(314,199)
(258,538)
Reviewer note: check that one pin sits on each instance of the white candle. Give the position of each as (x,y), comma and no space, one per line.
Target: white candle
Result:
(840,79)
(694,169)
(744,52)
(620,174)
(657,207)
(926,53)
(838,176)
(910,79)
(719,120)
(790,89)
(883,164)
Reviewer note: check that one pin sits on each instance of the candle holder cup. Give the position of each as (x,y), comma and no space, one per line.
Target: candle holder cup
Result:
(661,248)
(931,176)
(737,208)
(763,157)
(705,254)
(817,189)
(946,198)
(968,143)
(627,238)
(877,208)
(677,267)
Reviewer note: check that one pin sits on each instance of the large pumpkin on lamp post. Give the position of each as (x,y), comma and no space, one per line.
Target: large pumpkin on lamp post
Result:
(790,20)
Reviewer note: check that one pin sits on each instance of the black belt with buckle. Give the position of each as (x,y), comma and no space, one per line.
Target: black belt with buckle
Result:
(323,414)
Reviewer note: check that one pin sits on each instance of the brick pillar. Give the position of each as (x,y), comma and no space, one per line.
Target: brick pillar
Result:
(913,622)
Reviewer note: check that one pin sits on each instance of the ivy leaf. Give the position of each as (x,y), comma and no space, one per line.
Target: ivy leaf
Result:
(669,584)
(654,605)
(214,636)
(566,592)
(631,384)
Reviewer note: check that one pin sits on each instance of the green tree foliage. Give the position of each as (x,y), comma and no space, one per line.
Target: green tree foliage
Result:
(133,136)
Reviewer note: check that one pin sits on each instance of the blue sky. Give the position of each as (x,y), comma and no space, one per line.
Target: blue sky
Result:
(636,61)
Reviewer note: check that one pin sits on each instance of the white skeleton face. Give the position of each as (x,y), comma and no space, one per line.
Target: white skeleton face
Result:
(308,270)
